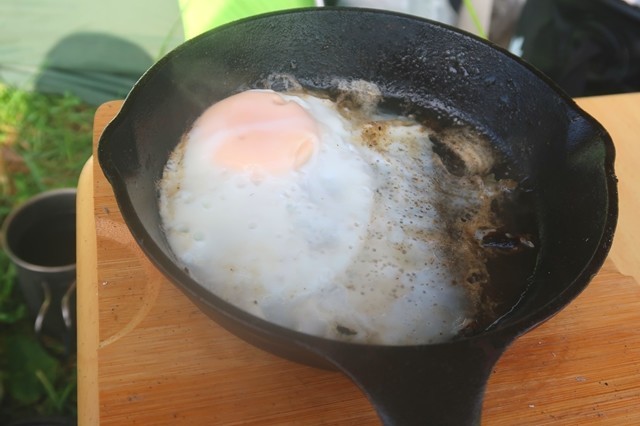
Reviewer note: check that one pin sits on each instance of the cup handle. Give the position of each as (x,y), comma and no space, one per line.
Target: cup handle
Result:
(67,317)
(44,308)
(66,314)
(65,306)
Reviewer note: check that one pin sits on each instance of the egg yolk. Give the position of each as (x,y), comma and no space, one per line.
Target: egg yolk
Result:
(260,131)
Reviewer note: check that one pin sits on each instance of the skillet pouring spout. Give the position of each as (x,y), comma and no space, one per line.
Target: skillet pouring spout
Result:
(556,152)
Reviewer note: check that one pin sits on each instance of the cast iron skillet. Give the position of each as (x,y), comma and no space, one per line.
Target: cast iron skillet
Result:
(559,152)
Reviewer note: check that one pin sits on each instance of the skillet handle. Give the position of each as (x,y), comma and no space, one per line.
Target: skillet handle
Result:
(423,385)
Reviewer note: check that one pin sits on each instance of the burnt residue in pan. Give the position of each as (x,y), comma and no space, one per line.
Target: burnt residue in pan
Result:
(509,249)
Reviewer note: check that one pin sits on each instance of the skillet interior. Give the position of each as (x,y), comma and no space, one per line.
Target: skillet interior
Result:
(553,148)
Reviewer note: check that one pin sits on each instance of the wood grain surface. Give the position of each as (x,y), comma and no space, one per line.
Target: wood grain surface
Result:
(148,356)
(620,115)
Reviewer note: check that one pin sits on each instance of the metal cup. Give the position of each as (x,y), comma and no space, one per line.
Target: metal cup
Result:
(39,237)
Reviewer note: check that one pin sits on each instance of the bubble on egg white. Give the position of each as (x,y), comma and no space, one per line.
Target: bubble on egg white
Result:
(373,241)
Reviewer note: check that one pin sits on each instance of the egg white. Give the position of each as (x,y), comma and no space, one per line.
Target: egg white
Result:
(260,240)
(347,247)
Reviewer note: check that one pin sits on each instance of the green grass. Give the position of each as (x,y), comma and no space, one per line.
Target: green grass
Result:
(44,142)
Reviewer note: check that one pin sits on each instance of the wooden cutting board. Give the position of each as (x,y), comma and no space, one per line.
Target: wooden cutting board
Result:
(147,355)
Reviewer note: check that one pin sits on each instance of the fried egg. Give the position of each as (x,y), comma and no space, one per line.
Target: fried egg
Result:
(323,220)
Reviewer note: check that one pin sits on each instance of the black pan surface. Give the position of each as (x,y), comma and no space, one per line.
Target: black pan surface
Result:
(554,149)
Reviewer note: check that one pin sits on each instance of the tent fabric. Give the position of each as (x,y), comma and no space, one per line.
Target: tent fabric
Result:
(199,16)
(94,49)
(97,50)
